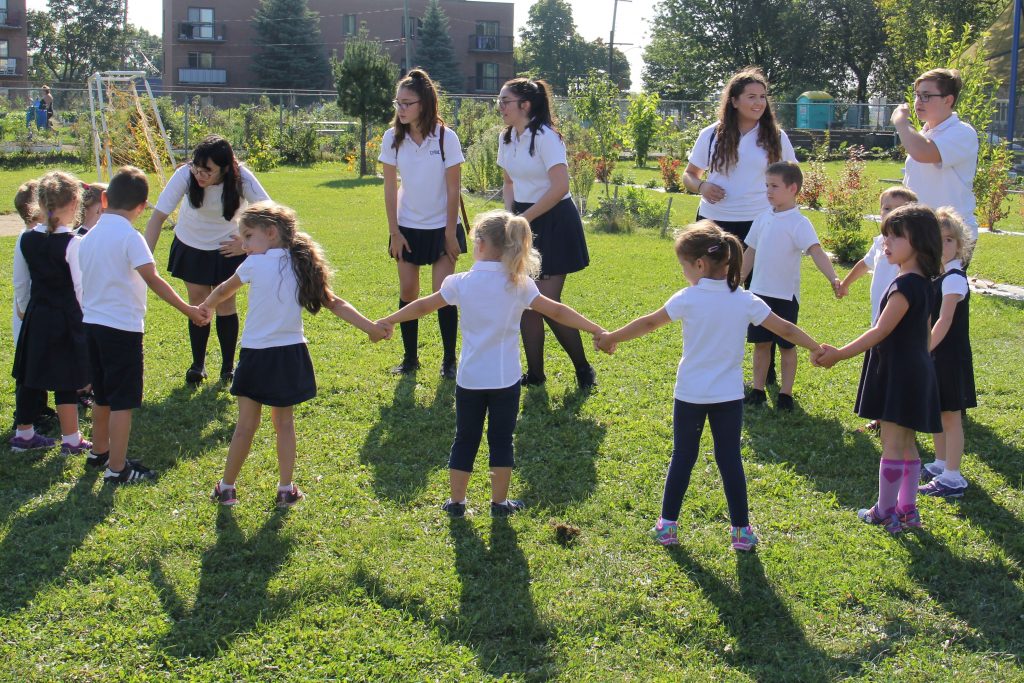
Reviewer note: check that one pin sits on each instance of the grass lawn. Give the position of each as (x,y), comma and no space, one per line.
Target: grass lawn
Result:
(368,580)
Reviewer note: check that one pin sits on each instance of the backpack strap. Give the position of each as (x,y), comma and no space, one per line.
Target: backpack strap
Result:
(441,142)
(711,145)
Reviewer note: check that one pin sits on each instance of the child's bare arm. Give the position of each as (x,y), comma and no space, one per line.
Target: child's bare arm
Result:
(645,324)
(789,332)
(561,313)
(859,270)
(417,309)
(164,290)
(748,263)
(895,308)
(349,314)
(824,264)
(941,327)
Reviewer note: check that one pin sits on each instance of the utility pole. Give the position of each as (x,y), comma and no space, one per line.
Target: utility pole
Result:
(611,40)
(405,11)
(124,35)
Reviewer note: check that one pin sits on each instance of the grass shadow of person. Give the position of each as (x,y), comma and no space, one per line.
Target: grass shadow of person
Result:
(233,595)
(1001,526)
(26,476)
(349,183)
(989,446)
(184,424)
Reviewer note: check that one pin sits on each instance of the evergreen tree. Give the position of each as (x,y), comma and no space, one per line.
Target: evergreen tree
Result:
(434,51)
(289,46)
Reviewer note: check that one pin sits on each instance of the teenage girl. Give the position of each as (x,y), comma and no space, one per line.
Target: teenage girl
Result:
(531,154)
(423,212)
(493,296)
(52,353)
(897,384)
(954,362)
(207,249)
(286,272)
(715,312)
(93,201)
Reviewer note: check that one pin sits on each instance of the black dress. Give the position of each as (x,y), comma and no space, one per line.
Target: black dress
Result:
(897,382)
(954,362)
(52,352)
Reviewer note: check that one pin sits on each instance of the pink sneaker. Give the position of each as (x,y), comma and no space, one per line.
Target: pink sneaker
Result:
(665,532)
(69,449)
(743,538)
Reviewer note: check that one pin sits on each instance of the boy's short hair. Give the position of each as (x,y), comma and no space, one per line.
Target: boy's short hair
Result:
(127,189)
(789,173)
(26,202)
(948,81)
(899,192)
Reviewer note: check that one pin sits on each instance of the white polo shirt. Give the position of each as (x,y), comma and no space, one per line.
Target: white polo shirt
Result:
(274,316)
(529,174)
(956,284)
(715,323)
(950,182)
(745,196)
(113,292)
(490,308)
(779,239)
(205,228)
(423,194)
(882,274)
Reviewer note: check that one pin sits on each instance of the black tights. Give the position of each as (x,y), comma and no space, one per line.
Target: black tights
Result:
(532,329)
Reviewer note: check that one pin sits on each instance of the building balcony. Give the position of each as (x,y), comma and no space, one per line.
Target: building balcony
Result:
(9,68)
(485,84)
(202,76)
(201,32)
(10,20)
(480,43)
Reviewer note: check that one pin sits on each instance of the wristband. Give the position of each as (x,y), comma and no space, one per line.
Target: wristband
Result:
(700,186)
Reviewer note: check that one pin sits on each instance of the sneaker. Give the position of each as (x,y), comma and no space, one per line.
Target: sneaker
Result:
(19,445)
(743,538)
(509,507)
(286,499)
(97,459)
(225,495)
(407,366)
(910,520)
(454,509)
(665,533)
(890,522)
(449,369)
(531,380)
(755,397)
(928,472)
(134,472)
(784,402)
(69,449)
(195,375)
(586,378)
(86,399)
(940,489)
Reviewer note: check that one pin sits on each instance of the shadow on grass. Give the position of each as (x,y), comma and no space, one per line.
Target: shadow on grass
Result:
(408,441)
(25,476)
(348,183)
(178,427)
(232,596)
(992,448)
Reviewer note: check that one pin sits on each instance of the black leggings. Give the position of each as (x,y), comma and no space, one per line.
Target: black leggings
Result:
(531,326)
(501,407)
(28,402)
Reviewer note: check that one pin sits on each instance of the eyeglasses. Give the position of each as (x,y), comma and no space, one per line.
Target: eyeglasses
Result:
(403,105)
(201,171)
(504,103)
(926,96)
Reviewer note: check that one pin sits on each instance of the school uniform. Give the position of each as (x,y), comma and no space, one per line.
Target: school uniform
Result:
(954,361)
(778,239)
(558,233)
(22,282)
(489,368)
(882,274)
(949,182)
(423,192)
(274,367)
(114,309)
(195,251)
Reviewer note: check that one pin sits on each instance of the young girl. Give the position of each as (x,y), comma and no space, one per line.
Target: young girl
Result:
(52,353)
(493,296)
(897,384)
(92,206)
(714,312)
(286,272)
(954,364)
(423,213)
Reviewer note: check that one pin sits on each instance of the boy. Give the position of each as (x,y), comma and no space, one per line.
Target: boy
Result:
(117,266)
(774,245)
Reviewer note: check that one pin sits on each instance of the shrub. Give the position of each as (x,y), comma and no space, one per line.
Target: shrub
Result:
(846,198)
(670,173)
(651,184)
(300,145)
(581,177)
(642,123)
(262,156)
(629,209)
(603,167)
(992,183)
(481,171)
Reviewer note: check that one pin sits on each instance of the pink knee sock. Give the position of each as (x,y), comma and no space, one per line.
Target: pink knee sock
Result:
(890,474)
(907,499)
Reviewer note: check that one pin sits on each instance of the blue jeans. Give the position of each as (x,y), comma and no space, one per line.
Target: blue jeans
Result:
(501,407)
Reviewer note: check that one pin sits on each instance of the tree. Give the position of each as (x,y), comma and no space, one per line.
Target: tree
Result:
(434,50)
(145,51)
(642,123)
(852,31)
(288,46)
(73,39)
(365,79)
(595,56)
(550,47)
(596,104)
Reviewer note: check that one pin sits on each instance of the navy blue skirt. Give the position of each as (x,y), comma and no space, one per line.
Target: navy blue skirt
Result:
(280,376)
(558,236)
(427,246)
(201,267)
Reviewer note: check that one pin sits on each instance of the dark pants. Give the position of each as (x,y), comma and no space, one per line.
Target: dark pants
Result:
(687,426)
(501,407)
(28,402)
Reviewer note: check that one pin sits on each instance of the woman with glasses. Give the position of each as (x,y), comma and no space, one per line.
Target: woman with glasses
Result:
(207,249)
(423,212)
(532,156)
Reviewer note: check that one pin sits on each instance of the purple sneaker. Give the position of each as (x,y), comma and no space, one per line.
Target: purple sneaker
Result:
(69,449)
(890,522)
(743,538)
(910,520)
(19,445)
(665,532)
(939,489)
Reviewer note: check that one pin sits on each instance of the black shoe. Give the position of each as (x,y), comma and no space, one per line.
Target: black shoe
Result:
(449,369)
(784,402)
(531,380)
(509,507)
(86,399)
(454,509)
(407,366)
(772,380)
(97,460)
(134,472)
(195,375)
(587,377)
(226,377)
(755,397)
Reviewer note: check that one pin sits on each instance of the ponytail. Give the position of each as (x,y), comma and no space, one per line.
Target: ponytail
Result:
(538,94)
(513,236)
(722,250)
(735,272)
(56,190)
(419,82)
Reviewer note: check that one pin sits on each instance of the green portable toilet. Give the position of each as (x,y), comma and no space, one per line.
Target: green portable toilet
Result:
(813,110)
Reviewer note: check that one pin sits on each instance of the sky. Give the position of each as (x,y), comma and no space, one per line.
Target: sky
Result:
(593,20)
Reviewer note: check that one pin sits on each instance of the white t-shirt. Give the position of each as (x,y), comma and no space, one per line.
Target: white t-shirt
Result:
(951,181)
(745,195)
(778,240)
(274,316)
(423,194)
(715,323)
(490,308)
(529,174)
(113,292)
(955,284)
(23,278)
(882,274)
(205,228)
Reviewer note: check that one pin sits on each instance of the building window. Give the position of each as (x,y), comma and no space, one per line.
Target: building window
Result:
(486,35)
(5,48)
(349,24)
(487,76)
(487,28)
(200,60)
(201,19)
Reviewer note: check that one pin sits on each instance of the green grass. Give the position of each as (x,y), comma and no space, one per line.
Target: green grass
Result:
(367,580)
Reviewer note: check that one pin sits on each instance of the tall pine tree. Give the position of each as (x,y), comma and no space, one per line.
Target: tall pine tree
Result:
(289,46)
(434,51)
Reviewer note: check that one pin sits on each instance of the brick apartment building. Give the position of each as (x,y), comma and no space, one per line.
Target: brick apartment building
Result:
(13,45)
(208,44)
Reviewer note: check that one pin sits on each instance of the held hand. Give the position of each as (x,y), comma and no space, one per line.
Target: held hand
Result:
(712,193)
(207,311)
(837,288)
(386,325)
(199,316)
(398,246)
(378,332)
(232,246)
(844,290)
(826,356)
(451,247)
(604,343)
(900,114)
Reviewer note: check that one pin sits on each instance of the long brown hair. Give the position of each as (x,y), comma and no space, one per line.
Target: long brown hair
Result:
(418,81)
(920,226)
(512,235)
(727,134)
(218,150)
(542,112)
(721,249)
(56,190)
(308,263)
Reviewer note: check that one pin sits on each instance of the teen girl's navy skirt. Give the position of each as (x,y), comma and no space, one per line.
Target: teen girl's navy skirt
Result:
(201,267)
(558,236)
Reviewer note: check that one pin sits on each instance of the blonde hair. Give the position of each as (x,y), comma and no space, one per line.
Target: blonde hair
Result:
(58,189)
(952,222)
(510,234)
(27,203)
(898,192)
(722,250)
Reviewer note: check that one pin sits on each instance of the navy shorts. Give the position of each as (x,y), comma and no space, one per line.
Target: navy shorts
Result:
(787,310)
(116,358)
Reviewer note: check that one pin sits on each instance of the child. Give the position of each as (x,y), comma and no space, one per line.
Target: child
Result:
(286,272)
(92,206)
(117,266)
(774,244)
(897,384)
(51,354)
(882,272)
(492,296)
(951,350)
(715,313)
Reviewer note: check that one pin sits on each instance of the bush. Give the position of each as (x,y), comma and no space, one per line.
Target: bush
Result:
(651,184)
(670,173)
(629,209)
(299,144)
(262,156)
(603,168)
(846,198)
(992,183)
(481,171)
(581,177)
(642,124)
